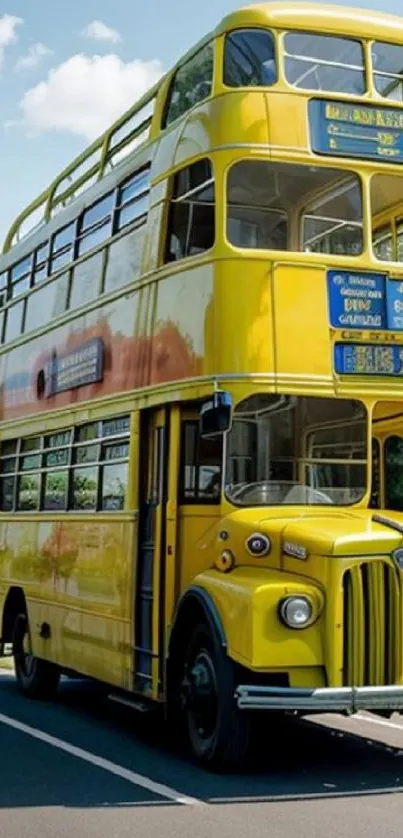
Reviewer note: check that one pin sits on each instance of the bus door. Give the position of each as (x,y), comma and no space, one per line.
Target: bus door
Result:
(199,495)
(155,576)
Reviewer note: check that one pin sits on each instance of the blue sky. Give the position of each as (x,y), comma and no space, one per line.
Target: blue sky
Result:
(67,69)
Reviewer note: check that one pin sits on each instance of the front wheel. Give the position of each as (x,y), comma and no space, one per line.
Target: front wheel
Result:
(36,678)
(218,732)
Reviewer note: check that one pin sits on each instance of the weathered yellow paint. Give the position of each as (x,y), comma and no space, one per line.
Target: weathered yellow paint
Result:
(77,576)
(247,600)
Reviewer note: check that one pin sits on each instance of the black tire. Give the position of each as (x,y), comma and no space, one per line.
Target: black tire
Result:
(36,678)
(218,733)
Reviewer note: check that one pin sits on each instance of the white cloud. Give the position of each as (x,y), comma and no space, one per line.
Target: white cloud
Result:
(99,31)
(86,93)
(8,26)
(33,57)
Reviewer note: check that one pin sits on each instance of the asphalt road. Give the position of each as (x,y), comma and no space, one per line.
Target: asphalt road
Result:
(83,766)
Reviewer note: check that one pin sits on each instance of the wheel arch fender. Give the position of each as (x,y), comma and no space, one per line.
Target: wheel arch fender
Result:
(15,603)
(195,605)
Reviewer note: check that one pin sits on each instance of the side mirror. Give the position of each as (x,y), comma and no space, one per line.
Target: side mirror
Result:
(216,414)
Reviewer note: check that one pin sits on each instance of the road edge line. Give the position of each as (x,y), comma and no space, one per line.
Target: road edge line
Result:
(100,762)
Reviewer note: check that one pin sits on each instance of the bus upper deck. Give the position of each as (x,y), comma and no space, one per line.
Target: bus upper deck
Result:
(268,146)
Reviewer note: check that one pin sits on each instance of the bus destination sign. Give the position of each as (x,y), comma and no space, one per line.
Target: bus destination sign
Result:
(352,130)
(361,300)
(368,359)
(82,366)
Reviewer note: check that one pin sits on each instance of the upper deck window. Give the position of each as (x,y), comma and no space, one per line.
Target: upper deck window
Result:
(191,225)
(21,276)
(281,206)
(41,254)
(323,62)
(387,62)
(95,224)
(133,199)
(191,84)
(387,217)
(249,59)
(62,247)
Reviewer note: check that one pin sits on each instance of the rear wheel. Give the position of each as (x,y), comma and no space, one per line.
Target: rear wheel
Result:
(36,678)
(219,734)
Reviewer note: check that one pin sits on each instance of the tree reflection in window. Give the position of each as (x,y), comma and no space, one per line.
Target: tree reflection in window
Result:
(28,492)
(85,485)
(114,482)
(55,492)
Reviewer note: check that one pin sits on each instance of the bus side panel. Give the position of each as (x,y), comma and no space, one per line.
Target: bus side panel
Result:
(241,322)
(77,576)
(197,526)
(302,314)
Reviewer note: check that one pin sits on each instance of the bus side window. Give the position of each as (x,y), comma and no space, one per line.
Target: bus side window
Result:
(191,84)
(201,466)
(191,223)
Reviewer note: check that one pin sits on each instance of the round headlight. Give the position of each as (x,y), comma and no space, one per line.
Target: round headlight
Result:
(296,612)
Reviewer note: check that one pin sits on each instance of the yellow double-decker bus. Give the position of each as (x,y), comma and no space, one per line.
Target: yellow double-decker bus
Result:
(201,346)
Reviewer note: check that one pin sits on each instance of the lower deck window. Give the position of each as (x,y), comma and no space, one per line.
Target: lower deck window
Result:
(82,469)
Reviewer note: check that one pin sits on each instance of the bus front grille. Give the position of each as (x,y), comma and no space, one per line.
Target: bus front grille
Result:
(371,625)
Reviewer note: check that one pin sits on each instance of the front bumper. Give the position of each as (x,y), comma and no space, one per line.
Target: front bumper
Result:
(321,700)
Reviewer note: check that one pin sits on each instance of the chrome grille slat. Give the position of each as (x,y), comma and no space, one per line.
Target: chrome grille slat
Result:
(371,624)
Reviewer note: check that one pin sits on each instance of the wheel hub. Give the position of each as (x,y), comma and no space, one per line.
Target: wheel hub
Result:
(28,659)
(199,694)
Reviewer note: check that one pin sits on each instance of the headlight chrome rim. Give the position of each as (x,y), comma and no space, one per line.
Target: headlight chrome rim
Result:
(293,600)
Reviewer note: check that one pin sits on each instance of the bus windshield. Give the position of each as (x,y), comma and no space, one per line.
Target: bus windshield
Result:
(296,450)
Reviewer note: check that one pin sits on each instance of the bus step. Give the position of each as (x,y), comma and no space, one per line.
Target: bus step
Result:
(140,706)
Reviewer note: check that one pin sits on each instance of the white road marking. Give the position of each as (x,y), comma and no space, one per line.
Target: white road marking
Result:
(105,764)
(383,722)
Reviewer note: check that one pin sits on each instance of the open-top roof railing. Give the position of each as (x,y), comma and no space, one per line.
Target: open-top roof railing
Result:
(117,142)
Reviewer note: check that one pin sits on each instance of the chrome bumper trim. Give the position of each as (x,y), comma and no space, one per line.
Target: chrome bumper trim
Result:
(322,699)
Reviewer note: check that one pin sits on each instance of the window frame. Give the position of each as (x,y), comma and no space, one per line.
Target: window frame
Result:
(275,41)
(120,205)
(25,275)
(165,121)
(102,440)
(189,422)
(305,202)
(43,264)
(301,461)
(83,233)
(361,41)
(70,247)
(183,199)
(393,77)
